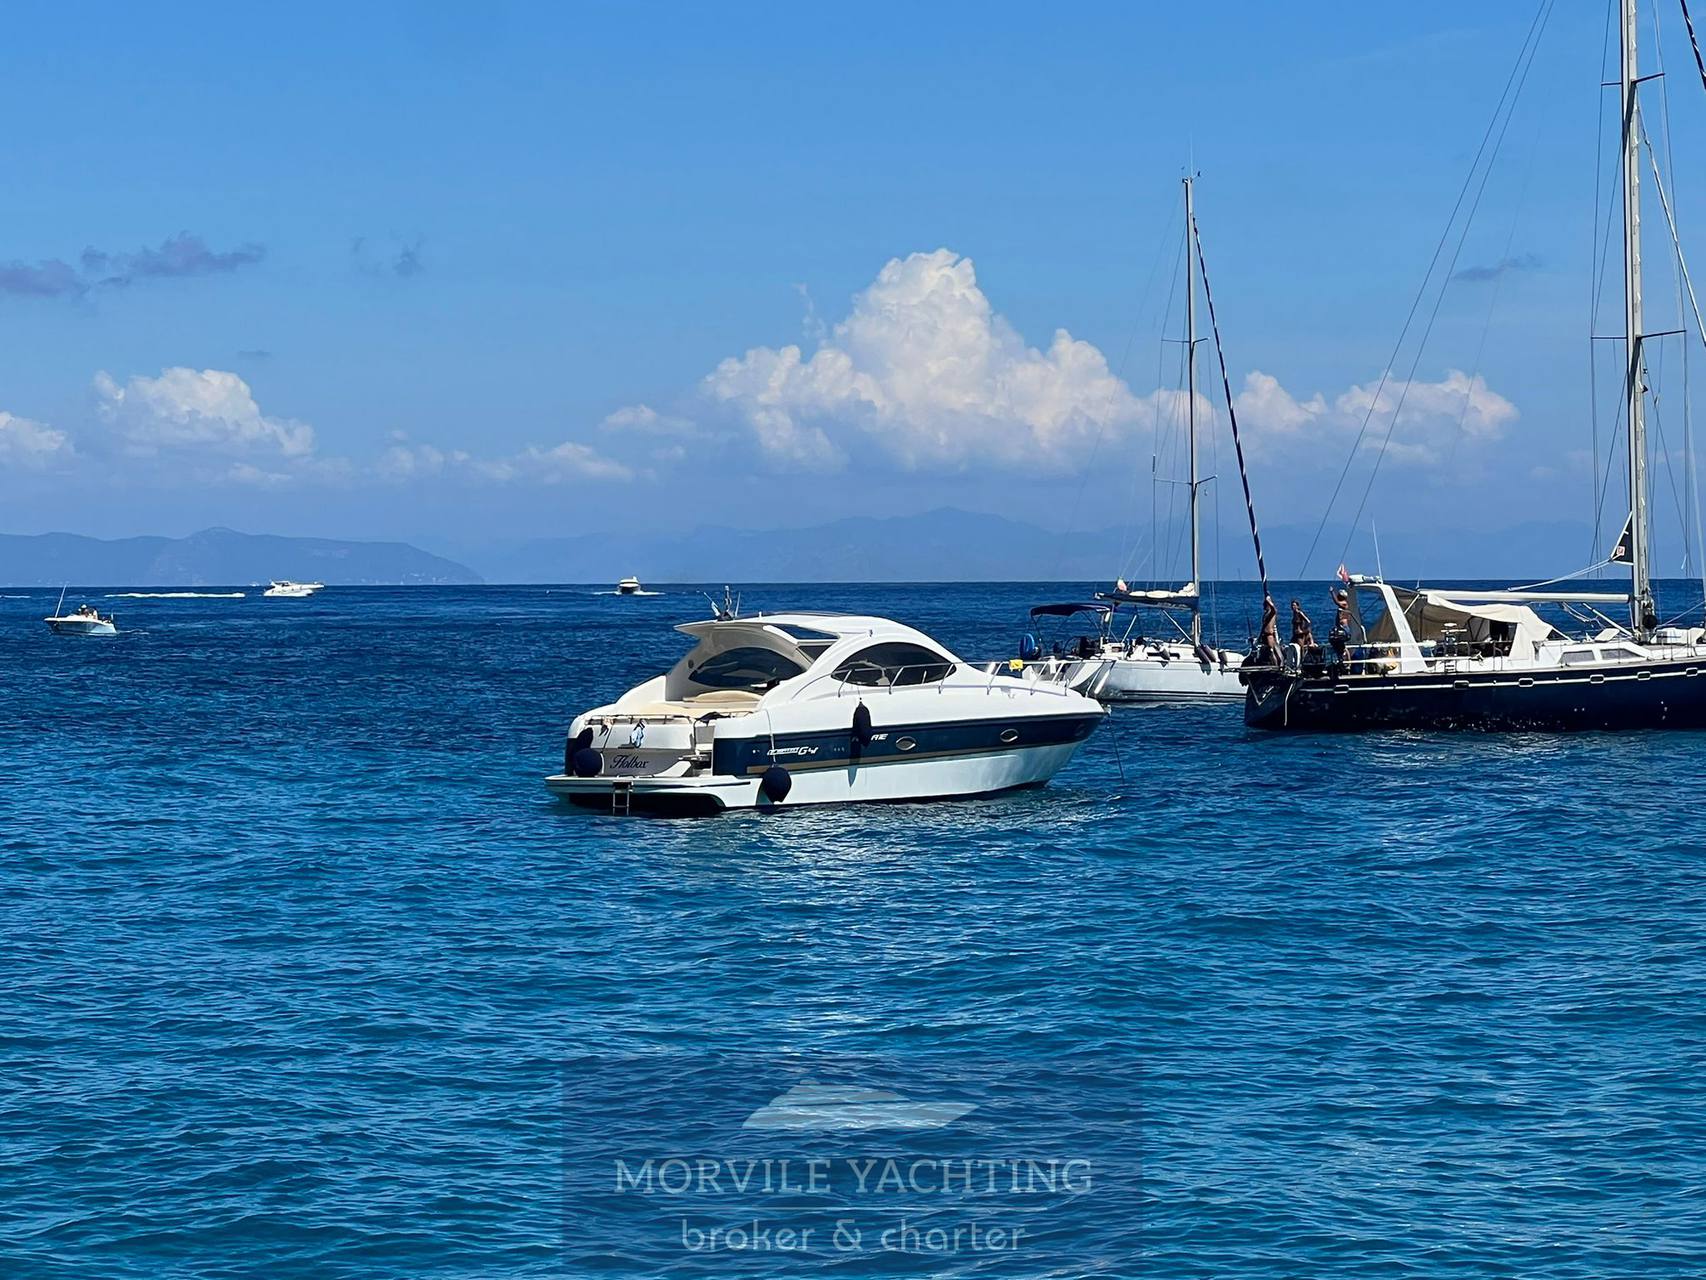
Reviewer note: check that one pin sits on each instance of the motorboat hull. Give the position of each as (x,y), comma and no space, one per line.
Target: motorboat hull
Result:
(81,627)
(842,780)
(1663,694)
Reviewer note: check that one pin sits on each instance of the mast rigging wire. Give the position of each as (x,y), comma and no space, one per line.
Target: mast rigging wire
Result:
(1524,56)
(1231,412)
(1596,284)
(1698,60)
(1439,298)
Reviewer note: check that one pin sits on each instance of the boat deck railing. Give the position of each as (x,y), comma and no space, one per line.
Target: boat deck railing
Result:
(940,685)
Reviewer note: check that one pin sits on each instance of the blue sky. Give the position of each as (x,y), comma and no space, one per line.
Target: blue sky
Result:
(390,271)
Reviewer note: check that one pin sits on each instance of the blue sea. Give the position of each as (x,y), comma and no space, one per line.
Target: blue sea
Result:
(303,973)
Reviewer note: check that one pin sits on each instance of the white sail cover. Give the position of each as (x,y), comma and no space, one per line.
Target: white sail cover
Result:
(1186,594)
(1428,615)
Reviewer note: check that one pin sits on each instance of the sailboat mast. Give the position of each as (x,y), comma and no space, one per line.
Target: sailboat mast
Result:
(1641,612)
(1191,402)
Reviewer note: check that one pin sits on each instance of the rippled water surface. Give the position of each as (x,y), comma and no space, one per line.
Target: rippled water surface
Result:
(302,973)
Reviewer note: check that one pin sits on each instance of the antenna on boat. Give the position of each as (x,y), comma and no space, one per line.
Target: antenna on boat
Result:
(59,609)
(1379,569)
(728,609)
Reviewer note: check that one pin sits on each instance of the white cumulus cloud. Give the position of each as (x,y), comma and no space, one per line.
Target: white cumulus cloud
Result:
(197,409)
(25,442)
(409,460)
(645,420)
(1431,416)
(925,373)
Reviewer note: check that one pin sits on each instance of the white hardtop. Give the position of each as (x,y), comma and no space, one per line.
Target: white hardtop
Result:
(801,647)
(842,626)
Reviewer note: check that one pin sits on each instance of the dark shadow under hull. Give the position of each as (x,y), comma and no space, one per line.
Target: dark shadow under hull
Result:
(678,805)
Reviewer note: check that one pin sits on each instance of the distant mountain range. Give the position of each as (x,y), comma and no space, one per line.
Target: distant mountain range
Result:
(949,545)
(946,545)
(217,557)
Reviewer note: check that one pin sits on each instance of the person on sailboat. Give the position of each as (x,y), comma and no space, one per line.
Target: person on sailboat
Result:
(1340,636)
(1302,633)
(1266,651)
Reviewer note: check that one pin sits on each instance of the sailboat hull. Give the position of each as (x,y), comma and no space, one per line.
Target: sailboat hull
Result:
(1178,675)
(1645,695)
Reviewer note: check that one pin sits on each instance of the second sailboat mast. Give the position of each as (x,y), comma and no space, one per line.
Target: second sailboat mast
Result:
(1191,400)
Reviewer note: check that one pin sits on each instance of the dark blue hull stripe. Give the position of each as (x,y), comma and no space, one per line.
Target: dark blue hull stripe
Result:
(897,744)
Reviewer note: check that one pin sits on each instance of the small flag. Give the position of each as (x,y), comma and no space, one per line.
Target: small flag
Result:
(1624,551)
(1344,577)
(1120,586)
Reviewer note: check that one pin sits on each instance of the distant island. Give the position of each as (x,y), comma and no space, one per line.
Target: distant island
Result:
(218,557)
(946,545)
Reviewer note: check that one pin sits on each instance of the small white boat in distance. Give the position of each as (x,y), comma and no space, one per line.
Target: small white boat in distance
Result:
(785,709)
(285,589)
(628,587)
(82,621)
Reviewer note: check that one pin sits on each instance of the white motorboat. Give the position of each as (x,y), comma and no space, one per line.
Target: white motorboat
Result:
(81,621)
(1124,665)
(284,589)
(628,587)
(778,710)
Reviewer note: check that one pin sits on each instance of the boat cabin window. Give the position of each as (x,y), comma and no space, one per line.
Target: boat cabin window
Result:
(1620,654)
(748,667)
(1579,657)
(893,665)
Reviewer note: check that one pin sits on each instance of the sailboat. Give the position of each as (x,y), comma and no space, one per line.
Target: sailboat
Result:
(1447,658)
(1121,664)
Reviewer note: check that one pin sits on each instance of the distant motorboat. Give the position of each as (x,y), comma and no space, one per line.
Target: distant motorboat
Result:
(284,589)
(628,587)
(81,621)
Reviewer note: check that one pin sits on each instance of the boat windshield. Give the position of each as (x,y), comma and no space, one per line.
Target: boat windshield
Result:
(747,667)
